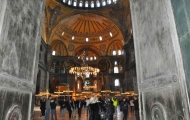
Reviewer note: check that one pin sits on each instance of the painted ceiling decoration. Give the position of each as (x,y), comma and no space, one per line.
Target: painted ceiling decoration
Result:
(68,29)
(54,13)
(87,25)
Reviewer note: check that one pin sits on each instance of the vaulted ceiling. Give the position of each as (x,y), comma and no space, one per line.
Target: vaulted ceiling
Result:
(69,30)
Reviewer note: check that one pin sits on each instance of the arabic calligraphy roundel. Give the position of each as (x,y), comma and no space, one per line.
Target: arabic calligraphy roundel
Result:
(104,65)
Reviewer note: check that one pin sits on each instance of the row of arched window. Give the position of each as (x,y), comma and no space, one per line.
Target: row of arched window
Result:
(89,4)
(114,53)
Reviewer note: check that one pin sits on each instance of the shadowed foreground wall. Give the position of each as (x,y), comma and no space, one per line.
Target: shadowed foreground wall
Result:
(160,70)
(20,35)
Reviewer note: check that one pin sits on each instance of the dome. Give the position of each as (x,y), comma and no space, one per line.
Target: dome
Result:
(78,28)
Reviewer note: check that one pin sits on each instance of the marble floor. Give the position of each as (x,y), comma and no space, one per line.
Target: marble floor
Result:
(119,116)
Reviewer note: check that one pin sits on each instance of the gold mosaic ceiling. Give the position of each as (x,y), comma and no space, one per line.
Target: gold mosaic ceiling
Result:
(81,26)
(71,28)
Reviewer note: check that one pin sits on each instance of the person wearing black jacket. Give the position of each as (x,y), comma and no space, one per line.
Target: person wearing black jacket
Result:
(43,106)
(124,106)
(62,104)
(79,106)
(94,108)
(70,108)
(53,109)
(109,109)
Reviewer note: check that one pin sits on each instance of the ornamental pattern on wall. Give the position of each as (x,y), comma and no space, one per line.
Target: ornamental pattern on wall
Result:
(104,65)
(103,47)
(71,47)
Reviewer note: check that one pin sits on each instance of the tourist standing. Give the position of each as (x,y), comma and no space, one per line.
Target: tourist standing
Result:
(79,106)
(87,103)
(43,107)
(115,103)
(132,105)
(53,109)
(70,108)
(62,104)
(124,106)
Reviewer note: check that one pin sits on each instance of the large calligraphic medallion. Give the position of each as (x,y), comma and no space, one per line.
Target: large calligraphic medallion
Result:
(68,64)
(104,65)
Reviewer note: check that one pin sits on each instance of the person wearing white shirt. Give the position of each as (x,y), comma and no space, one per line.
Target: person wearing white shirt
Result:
(132,105)
(87,103)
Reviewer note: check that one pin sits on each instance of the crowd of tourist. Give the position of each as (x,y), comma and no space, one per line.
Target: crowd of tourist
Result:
(96,108)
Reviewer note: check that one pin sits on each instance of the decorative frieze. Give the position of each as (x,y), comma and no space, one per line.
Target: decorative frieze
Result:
(12,82)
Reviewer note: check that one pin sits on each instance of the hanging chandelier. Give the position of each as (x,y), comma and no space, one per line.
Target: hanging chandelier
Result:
(84,70)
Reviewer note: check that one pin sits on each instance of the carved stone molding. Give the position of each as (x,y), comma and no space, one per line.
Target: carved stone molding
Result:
(8,81)
(14,113)
(158,112)
(162,80)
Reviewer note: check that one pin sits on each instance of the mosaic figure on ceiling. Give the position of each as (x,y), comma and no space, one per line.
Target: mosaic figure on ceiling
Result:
(120,14)
(54,13)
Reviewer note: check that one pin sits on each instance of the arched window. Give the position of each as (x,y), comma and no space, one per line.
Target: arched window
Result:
(86,58)
(103,3)
(119,52)
(109,1)
(75,3)
(100,38)
(114,52)
(64,1)
(73,37)
(53,53)
(92,4)
(91,58)
(111,34)
(69,2)
(116,69)
(97,3)
(80,3)
(86,4)
(86,39)
(114,1)
(116,82)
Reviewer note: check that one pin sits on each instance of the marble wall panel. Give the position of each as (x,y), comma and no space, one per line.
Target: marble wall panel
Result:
(20,36)
(160,71)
